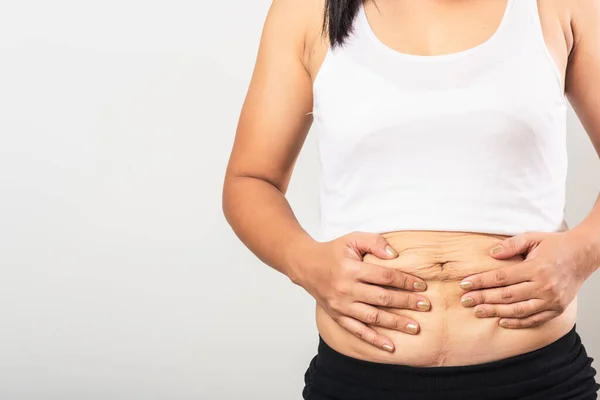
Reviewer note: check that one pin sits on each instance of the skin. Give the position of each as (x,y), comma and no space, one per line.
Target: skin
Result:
(356,294)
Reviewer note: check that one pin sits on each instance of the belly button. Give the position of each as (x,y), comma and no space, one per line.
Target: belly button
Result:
(444,273)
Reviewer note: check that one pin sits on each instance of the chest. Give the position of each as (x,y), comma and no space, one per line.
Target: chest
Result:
(501,100)
(434,28)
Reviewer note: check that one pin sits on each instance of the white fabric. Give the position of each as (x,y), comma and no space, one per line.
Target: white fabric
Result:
(472,141)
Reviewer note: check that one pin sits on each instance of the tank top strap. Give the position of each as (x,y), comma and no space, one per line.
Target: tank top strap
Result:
(518,20)
(522,18)
(526,31)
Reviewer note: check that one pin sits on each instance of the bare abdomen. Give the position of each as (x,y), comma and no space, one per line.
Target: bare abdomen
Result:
(450,334)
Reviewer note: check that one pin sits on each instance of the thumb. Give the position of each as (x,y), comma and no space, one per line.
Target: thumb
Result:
(513,246)
(375,244)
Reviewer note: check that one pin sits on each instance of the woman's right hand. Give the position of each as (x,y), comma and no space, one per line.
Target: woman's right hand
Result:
(355,293)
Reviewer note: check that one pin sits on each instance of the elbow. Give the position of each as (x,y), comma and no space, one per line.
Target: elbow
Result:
(226,199)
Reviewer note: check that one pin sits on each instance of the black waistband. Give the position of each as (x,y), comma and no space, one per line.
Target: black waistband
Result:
(554,361)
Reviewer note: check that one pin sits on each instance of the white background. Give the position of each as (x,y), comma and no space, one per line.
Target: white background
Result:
(120,278)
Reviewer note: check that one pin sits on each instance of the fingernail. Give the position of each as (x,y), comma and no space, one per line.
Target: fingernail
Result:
(467,301)
(412,327)
(419,285)
(496,250)
(391,251)
(388,347)
(504,322)
(423,305)
(466,285)
(479,312)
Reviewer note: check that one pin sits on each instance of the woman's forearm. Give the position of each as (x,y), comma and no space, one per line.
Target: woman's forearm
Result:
(588,233)
(263,220)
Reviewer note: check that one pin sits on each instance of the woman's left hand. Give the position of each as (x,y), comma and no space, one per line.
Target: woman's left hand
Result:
(540,288)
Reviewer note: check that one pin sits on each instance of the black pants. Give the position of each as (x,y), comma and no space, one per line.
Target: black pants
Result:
(561,370)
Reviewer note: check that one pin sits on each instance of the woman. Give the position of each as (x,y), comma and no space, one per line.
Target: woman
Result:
(443,268)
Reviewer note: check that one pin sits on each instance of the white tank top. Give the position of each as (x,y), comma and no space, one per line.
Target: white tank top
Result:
(473,141)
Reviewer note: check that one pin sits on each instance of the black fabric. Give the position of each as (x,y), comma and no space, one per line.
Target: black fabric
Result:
(560,370)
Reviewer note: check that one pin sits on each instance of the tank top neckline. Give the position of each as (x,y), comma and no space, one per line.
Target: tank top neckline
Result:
(365,26)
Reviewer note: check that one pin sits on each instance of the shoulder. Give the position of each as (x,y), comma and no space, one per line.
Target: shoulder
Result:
(300,24)
(301,20)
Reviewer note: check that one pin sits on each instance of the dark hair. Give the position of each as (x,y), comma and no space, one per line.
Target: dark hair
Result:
(339,16)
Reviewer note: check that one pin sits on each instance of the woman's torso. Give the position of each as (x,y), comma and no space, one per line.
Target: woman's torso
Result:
(450,334)
(484,128)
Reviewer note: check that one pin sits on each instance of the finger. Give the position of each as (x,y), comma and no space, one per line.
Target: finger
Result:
(372,243)
(375,316)
(380,275)
(504,276)
(378,296)
(515,245)
(522,309)
(529,322)
(366,334)
(503,295)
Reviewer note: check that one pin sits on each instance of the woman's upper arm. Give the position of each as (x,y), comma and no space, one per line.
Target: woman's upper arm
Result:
(583,72)
(275,117)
